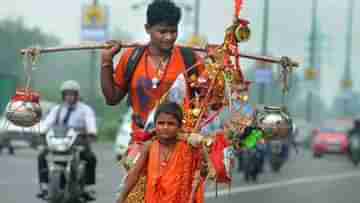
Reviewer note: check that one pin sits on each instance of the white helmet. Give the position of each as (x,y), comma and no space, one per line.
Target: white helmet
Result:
(71,85)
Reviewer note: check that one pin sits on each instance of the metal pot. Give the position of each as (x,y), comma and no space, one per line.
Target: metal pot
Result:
(274,122)
(23,113)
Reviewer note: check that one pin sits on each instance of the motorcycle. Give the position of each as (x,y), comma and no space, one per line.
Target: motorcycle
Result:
(355,149)
(66,169)
(251,162)
(276,155)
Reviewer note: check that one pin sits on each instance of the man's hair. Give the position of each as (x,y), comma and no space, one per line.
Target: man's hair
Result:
(171,108)
(163,11)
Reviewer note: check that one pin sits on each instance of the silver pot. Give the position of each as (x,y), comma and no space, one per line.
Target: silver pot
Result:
(23,113)
(274,122)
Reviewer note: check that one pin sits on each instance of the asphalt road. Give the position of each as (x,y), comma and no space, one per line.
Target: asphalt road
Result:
(330,179)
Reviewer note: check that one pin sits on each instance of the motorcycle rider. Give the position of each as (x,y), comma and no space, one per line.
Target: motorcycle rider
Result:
(355,131)
(74,114)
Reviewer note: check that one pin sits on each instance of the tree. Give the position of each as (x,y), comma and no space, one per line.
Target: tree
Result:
(14,35)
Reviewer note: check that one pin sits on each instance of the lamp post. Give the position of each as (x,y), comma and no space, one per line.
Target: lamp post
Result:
(346,83)
(312,73)
(264,48)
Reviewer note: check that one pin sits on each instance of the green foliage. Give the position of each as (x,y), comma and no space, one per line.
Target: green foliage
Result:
(109,118)
(14,35)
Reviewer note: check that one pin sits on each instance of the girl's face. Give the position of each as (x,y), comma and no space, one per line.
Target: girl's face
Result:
(162,36)
(166,126)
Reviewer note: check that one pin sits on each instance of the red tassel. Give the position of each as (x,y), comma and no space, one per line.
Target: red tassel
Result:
(238,6)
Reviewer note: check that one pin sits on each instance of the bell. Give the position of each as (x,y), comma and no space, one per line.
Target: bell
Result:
(196,112)
(24,109)
(274,122)
(242,31)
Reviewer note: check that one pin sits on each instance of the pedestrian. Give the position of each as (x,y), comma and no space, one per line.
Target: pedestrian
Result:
(172,166)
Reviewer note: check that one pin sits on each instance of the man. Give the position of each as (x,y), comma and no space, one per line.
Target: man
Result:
(158,64)
(72,114)
(355,131)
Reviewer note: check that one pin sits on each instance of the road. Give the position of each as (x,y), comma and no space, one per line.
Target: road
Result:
(331,179)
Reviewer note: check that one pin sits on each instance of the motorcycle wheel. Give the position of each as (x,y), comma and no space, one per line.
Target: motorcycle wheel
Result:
(55,194)
(275,165)
(355,159)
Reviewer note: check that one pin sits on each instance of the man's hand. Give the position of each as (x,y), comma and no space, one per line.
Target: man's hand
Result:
(195,139)
(108,53)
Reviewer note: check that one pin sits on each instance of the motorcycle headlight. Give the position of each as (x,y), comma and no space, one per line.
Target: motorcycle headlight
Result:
(60,145)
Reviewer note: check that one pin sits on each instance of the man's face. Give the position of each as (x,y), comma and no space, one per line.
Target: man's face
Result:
(163,36)
(70,97)
(166,126)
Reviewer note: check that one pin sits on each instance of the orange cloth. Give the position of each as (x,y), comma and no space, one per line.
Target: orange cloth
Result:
(143,96)
(172,183)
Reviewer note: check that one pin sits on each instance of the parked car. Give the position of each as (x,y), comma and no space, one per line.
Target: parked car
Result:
(30,135)
(329,140)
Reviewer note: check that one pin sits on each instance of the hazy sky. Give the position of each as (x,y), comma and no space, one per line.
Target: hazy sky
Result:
(289,27)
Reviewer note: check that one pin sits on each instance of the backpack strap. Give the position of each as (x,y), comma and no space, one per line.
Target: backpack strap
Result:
(187,54)
(133,62)
(131,67)
(189,59)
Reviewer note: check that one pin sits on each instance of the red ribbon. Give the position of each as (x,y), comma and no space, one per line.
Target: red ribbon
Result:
(238,6)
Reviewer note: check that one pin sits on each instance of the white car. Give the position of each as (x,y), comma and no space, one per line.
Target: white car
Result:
(123,135)
(30,135)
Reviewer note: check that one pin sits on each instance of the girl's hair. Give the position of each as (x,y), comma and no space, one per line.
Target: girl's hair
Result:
(163,11)
(171,108)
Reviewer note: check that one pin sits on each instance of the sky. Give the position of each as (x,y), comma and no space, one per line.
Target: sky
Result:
(288,33)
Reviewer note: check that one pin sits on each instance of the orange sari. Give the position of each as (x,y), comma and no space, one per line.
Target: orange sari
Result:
(172,183)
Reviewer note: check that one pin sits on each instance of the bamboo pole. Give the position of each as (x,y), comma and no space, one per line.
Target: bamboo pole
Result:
(278,60)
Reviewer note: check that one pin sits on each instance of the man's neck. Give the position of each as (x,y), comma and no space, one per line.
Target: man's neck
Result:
(70,104)
(154,51)
(168,143)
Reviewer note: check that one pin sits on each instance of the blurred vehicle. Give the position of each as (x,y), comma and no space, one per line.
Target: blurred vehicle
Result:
(277,154)
(329,140)
(251,163)
(66,169)
(123,136)
(11,132)
(354,149)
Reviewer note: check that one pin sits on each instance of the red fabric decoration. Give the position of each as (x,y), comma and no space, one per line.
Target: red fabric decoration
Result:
(140,136)
(218,159)
(26,95)
(238,6)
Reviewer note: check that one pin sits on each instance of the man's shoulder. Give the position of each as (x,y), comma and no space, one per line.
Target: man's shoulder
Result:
(84,106)
(56,107)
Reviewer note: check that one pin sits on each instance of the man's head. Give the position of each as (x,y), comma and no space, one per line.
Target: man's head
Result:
(357,123)
(168,120)
(163,18)
(70,91)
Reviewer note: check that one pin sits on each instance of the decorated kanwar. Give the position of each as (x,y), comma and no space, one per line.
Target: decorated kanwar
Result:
(191,113)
